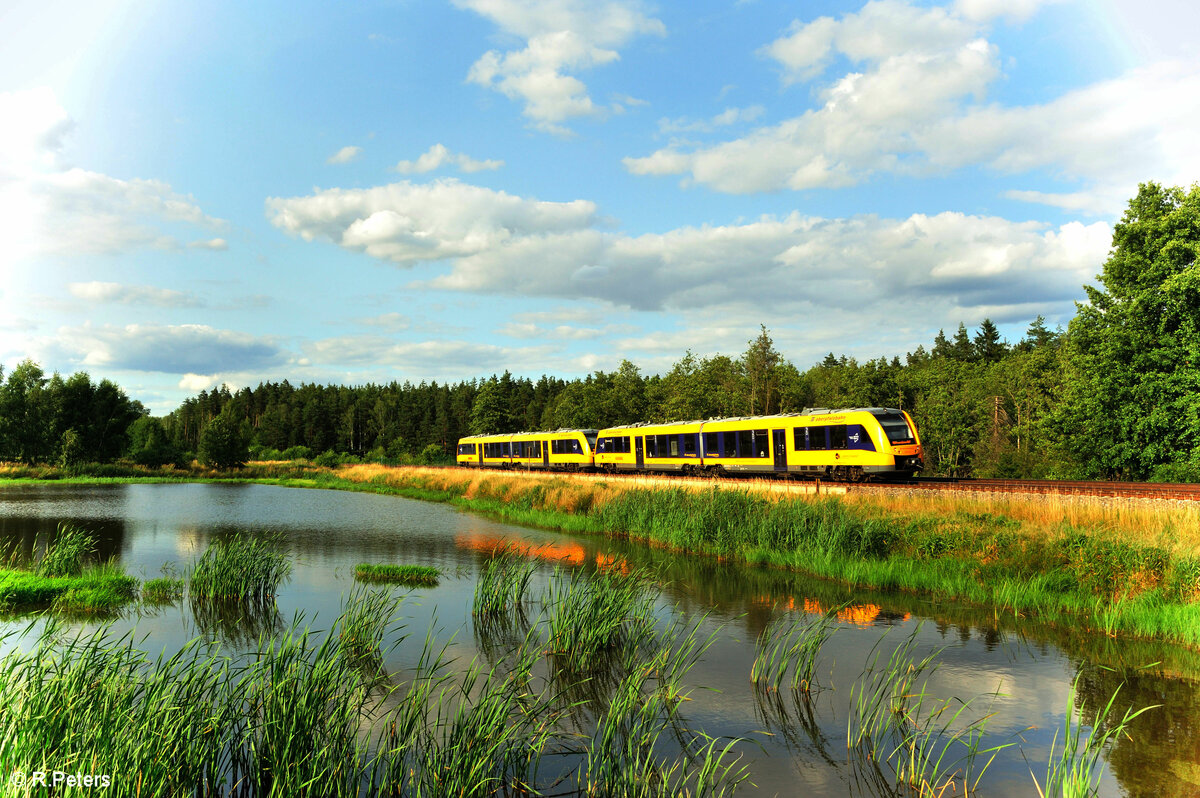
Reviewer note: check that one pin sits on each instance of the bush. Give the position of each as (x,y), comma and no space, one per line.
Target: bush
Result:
(296,453)
(327,459)
(432,454)
(222,444)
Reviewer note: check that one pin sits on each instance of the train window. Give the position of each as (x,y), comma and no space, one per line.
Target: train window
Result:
(689,444)
(816,438)
(799,439)
(651,448)
(729,444)
(674,441)
(837,436)
(505,450)
(710,444)
(601,445)
(575,448)
(626,448)
(745,439)
(858,437)
(897,429)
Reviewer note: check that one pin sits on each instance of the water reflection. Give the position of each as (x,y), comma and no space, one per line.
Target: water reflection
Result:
(803,745)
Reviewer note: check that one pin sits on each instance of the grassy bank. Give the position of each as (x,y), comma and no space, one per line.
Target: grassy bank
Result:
(1108,569)
(1102,568)
(61,576)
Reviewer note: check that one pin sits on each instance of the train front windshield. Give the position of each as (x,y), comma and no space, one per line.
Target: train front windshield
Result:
(897,429)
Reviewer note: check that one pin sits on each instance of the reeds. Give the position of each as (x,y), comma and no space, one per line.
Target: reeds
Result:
(419,575)
(502,583)
(62,579)
(163,590)
(65,555)
(791,644)
(593,614)
(1074,770)
(239,567)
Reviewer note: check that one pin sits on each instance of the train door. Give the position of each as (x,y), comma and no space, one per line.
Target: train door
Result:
(546,453)
(779,444)
(641,457)
(479,448)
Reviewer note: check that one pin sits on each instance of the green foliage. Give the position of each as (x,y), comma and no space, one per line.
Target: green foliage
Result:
(239,567)
(222,444)
(404,574)
(65,554)
(1132,400)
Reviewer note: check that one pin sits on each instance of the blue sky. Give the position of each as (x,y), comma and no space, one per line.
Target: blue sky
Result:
(202,193)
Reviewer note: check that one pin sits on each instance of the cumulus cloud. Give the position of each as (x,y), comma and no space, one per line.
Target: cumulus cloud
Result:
(561,37)
(46,208)
(437,156)
(915,103)
(214,244)
(445,359)
(800,266)
(118,293)
(407,223)
(730,116)
(183,349)
(344,155)
(560,332)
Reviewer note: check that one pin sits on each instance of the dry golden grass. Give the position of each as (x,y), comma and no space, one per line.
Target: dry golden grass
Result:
(1174,526)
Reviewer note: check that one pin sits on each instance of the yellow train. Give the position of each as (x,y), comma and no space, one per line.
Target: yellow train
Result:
(560,450)
(850,445)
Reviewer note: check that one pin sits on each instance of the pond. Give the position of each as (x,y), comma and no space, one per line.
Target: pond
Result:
(1019,679)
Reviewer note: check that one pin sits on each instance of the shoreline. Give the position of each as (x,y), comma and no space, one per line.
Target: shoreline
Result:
(1100,569)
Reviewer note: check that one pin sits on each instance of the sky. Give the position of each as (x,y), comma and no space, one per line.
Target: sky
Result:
(204,193)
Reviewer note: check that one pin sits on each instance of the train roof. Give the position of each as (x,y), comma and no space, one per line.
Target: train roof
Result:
(808,411)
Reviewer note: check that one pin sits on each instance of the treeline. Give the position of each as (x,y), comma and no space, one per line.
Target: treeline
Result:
(65,421)
(1116,395)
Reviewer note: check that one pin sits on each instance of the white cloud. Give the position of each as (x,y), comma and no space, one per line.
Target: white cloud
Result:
(916,104)
(801,267)
(199,382)
(214,244)
(561,37)
(45,208)
(117,293)
(985,10)
(407,223)
(447,360)
(437,156)
(730,116)
(392,322)
(560,332)
(344,155)
(183,349)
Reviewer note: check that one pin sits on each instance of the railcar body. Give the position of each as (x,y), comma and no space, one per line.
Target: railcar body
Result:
(852,444)
(560,450)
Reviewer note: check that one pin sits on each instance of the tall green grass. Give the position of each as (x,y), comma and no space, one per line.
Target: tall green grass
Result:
(422,575)
(239,567)
(790,644)
(503,583)
(303,716)
(59,576)
(593,614)
(1074,769)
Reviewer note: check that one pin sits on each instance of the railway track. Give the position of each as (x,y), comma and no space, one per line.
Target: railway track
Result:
(1128,490)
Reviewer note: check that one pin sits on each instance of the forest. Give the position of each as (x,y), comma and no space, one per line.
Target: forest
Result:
(1116,395)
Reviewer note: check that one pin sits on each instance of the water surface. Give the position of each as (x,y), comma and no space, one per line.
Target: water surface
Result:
(796,748)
